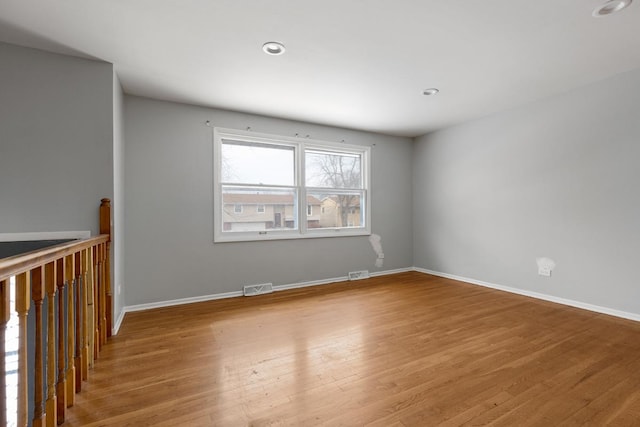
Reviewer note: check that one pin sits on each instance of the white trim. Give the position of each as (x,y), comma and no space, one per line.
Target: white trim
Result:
(300,146)
(181,301)
(310,283)
(116,326)
(293,234)
(537,295)
(45,235)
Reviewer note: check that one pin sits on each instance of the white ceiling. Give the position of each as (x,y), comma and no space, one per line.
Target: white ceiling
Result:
(359,64)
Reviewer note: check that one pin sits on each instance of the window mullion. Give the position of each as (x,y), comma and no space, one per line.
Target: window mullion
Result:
(302,190)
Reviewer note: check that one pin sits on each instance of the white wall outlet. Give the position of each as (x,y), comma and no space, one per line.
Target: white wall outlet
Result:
(545,266)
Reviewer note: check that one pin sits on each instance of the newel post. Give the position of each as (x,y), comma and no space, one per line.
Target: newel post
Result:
(105,228)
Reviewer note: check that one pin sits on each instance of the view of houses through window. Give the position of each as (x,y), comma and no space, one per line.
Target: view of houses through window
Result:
(264,187)
(268,211)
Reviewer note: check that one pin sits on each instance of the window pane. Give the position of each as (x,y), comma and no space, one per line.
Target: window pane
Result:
(257,209)
(333,170)
(253,163)
(337,210)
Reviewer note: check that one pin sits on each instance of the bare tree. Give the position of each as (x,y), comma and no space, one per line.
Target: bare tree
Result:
(340,171)
(227,172)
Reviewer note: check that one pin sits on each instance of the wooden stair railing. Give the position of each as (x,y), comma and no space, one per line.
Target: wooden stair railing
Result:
(69,287)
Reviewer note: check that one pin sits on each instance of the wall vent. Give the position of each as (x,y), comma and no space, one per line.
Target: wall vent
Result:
(357,275)
(251,290)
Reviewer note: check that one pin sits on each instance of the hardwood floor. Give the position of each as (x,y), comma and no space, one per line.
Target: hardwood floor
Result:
(402,350)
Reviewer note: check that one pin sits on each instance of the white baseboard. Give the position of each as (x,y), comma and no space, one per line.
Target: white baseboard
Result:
(116,326)
(338,279)
(545,297)
(160,304)
(180,301)
(310,283)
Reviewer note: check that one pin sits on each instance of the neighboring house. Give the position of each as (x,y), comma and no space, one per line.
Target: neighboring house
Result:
(339,213)
(254,212)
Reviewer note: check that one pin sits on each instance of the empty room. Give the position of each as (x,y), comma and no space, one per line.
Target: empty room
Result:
(233,213)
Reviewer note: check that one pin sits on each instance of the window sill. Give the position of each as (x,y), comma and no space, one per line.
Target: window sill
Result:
(256,236)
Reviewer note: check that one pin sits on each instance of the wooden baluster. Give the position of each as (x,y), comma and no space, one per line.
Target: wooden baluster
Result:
(103,296)
(37,289)
(96,293)
(84,341)
(50,286)
(5,314)
(23,301)
(108,293)
(90,313)
(69,268)
(77,360)
(61,386)
(105,228)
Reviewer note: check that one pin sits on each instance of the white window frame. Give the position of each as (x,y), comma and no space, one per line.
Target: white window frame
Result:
(261,208)
(299,145)
(235,208)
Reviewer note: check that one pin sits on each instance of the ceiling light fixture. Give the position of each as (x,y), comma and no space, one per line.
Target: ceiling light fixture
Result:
(273,48)
(610,7)
(430,91)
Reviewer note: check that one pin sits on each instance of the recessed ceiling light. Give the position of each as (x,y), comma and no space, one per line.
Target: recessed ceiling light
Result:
(430,91)
(610,7)
(273,48)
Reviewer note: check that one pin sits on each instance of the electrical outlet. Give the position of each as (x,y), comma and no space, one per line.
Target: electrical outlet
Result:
(545,266)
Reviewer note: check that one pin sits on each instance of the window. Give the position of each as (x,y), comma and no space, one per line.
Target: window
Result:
(288,179)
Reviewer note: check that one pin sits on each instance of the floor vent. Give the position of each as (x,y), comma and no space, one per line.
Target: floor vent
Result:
(251,290)
(357,275)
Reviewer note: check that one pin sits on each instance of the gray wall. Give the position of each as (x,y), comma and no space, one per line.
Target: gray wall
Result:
(169,213)
(557,178)
(118,198)
(55,140)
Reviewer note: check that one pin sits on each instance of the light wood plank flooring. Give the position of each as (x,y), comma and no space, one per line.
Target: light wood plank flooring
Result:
(402,350)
